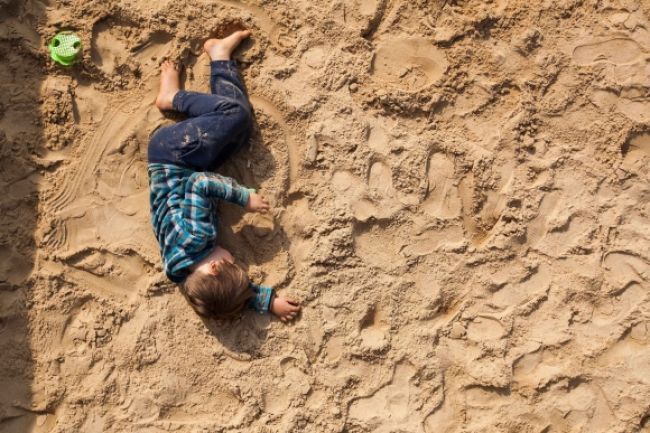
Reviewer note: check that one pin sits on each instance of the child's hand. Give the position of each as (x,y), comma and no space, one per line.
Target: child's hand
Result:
(257,203)
(285,309)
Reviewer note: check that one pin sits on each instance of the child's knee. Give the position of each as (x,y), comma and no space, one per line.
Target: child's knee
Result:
(242,115)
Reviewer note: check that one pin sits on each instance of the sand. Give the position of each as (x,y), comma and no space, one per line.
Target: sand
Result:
(460,200)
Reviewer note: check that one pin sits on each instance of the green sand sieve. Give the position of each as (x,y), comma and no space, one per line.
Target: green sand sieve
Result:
(64,48)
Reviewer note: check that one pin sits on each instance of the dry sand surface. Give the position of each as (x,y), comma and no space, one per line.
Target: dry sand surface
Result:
(460,200)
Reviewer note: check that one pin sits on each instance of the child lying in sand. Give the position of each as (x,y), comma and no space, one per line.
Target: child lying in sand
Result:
(183,186)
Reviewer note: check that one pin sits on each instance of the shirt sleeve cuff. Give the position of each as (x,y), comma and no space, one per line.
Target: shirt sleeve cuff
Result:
(262,300)
(242,196)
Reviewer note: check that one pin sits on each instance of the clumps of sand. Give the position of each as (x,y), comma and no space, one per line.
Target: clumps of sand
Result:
(460,202)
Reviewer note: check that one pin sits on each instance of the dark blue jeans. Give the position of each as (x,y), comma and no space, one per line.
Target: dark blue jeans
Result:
(217,125)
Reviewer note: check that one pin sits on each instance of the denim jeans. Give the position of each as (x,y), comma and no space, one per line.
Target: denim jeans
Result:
(218,124)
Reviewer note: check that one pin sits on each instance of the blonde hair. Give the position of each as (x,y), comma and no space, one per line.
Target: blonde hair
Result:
(218,296)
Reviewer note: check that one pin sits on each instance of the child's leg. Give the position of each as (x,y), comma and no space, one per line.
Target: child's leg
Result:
(225,80)
(220,123)
(227,90)
(203,142)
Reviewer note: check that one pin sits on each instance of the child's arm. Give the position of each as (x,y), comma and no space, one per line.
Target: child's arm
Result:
(204,185)
(265,301)
(262,300)
(201,186)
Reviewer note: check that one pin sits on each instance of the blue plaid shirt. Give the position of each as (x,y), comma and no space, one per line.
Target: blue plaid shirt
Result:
(183,214)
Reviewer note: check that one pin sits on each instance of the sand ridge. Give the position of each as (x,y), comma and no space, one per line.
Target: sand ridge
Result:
(460,201)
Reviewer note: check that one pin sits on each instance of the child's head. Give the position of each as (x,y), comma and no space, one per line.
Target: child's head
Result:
(219,294)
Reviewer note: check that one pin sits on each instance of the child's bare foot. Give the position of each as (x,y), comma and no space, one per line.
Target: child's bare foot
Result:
(169,85)
(221,49)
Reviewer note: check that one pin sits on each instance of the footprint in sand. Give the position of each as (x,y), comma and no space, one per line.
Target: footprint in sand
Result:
(636,149)
(445,418)
(374,330)
(623,269)
(278,34)
(351,191)
(484,328)
(376,198)
(298,222)
(443,199)
(481,210)
(515,294)
(630,353)
(633,102)
(88,104)
(618,51)
(104,273)
(539,225)
(220,409)
(294,382)
(377,246)
(408,64)
(151,51)
(617,307)
(108,48)
(378,139)
(392,408)
(535,370)
(446,238)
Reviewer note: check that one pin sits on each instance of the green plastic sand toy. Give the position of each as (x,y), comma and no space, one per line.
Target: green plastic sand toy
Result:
(65,47)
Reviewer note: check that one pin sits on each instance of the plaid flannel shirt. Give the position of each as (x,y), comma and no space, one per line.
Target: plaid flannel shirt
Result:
(183,214)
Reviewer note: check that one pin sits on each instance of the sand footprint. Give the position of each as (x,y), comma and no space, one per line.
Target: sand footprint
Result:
(481,210)
(108,48)
(616,308)
(623,269)
(377,246)
(484,328)
(443,199)
(374,330)
(408,64)
(536,369)
(149,52)
(539,225)
(104,273)
(616,50)
(294,382)
(429,241)
(515,294)
(376,198)
(636,149)
(298,222)
(277,33)
(392,407)
(630,352)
